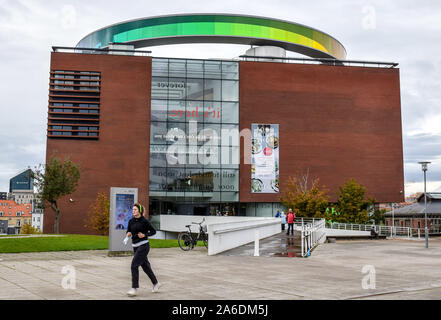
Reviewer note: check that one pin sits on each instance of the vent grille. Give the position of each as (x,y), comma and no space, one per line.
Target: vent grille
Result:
(74,105)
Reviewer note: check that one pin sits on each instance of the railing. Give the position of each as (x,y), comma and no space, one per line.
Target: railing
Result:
(388,231)
(321,61)
(312,233)
(101,51)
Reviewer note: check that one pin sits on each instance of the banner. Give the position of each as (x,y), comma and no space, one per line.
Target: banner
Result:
(265,158)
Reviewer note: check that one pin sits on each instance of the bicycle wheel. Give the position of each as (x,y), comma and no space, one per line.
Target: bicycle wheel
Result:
(185,241)
(204,237)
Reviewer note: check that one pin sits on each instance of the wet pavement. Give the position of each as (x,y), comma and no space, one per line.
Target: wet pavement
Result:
(397,269)
(279,245)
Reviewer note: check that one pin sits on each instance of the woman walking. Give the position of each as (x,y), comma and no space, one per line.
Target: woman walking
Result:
(139,228)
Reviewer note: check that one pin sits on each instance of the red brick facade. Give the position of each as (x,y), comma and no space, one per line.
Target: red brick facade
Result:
(338,122)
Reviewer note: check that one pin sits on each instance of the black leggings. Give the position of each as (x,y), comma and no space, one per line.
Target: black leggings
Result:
(140,259)
(290,227)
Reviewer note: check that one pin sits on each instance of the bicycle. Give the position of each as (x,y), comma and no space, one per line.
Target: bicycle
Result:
(187,241)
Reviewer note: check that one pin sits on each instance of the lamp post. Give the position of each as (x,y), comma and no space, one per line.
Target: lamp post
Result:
(424,168)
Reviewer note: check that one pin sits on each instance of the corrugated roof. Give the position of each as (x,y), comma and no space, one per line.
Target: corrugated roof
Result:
(433,208)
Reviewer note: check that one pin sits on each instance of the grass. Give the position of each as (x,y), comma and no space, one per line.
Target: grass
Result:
(69,242)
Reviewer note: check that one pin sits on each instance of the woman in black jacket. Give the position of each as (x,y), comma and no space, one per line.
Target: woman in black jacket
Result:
(139,228)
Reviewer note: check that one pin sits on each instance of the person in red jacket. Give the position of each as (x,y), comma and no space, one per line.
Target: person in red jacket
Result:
(290,219)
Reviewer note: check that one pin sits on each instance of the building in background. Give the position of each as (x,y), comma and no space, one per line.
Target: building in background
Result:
(21,187)
(15,214)
(413,216)
(130,118)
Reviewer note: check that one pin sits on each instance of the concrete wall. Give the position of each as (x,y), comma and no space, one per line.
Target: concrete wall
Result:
(228,235)
(345,233)
(224,233)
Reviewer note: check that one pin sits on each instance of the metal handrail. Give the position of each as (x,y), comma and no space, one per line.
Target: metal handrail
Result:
(312,233)
(99,50)
(329,61)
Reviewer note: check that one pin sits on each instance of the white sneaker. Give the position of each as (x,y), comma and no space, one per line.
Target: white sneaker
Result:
(156,287)
(131,292)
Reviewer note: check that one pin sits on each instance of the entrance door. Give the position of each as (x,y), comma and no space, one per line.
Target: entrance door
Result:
(199,211)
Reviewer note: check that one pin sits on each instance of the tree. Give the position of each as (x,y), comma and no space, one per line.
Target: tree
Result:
(28,229)
(351,203)
(99,215)
(55,180)
(307,198)
(378,216)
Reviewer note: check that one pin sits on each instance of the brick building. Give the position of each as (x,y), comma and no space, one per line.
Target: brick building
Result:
(118,112)
(15,214)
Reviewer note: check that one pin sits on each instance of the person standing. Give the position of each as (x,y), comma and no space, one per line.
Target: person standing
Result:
(290,219)
(283,217)
(139,228)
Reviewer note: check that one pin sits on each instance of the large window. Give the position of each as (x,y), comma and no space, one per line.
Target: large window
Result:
(195,102)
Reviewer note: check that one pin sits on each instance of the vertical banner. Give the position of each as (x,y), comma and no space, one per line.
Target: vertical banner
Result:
(265,158)
(121,205)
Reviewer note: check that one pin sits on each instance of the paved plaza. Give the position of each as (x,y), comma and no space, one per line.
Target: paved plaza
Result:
(391,269)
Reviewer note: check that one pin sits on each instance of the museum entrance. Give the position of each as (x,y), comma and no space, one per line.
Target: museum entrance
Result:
(161,206)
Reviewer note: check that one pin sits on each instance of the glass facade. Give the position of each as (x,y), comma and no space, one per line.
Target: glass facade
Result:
(194,137)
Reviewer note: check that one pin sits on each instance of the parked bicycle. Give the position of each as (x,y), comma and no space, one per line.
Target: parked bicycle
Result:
(187,240)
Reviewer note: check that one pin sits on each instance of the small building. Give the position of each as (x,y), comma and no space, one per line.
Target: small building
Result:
(413,215)
(16,215)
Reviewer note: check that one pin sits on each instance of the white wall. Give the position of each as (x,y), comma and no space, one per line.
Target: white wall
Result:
(177,223)
(224,233)
(345,233)
(228,235)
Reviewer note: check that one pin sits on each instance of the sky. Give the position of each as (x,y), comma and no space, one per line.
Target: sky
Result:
(405,31)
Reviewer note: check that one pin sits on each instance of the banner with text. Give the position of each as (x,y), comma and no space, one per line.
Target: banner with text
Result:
(265,158)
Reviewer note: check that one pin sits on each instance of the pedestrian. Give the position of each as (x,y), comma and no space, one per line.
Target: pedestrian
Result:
(374,234)
(290,219)
(139,228)
(283,217)
(277,214)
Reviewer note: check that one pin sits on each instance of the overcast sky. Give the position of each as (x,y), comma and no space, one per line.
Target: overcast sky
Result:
(405,31)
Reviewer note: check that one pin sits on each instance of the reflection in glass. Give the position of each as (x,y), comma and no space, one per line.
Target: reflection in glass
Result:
(159,88)
(176,179)
(230,90)
(230,112)
(177,68)
(213,69)
(195,69)
(212,90)
(176,88)
(230,70)
(158,132)
(195,89)
(159,67)
(212,112)
(159,110)
(176,111)
(158,179)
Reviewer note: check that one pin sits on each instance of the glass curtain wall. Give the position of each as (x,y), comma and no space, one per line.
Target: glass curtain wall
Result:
(194,136)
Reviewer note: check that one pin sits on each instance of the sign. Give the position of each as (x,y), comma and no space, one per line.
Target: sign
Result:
(265,158)
(121,205)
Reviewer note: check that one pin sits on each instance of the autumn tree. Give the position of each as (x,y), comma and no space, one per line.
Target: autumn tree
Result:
(99,215)
(306,197)
(55,180)
(352,205)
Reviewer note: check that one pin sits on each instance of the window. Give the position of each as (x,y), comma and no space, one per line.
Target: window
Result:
(183,92)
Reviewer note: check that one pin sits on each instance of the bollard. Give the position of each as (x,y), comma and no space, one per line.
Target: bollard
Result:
(256,243)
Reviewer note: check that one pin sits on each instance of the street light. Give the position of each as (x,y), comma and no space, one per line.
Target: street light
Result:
(424,168)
